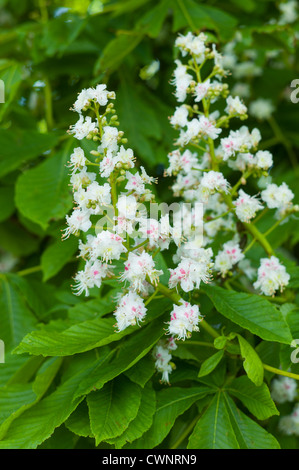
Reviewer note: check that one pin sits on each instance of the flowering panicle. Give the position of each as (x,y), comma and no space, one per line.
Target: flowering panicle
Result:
(118,238)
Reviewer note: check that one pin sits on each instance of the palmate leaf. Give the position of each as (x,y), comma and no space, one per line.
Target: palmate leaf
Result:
(214,430)
(171,403)
(257,399)
(112,408)
(223,426)
(143,421)
(252,312)
(16,398)
(39,422)
(248,433)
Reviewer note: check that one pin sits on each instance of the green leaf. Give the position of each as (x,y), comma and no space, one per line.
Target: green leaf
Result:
(112,408)
(15,239)
(143,421)
(16,398)
(142,371)
(79,422)
(18,146)
(42,193)
(116,50)
(138,120)
(130,352)
(214,430)
(79,337)
(39,422)
(153,20)
(257,399)
(7,204)
(249,434)
(252,363)
(188,12)
(57,255)
(252,312)
(210,364)
(171,403)
(16,317)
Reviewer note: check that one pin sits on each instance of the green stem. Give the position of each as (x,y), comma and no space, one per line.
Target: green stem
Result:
(275,225)
(281,372)
(197,343)
(27,271)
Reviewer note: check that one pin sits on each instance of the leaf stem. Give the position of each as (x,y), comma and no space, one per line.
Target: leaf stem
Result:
(281,372)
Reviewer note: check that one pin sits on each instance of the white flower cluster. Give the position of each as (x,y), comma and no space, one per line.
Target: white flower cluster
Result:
(283,389)
(271,276)
(289,424)
(118,240)
(162,356)
(196,166)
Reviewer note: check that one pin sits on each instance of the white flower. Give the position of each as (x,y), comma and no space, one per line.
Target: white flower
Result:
(214,181)
(183,320)
(108,246)
(277,197)
(261,109)
(135,183)
(107,165)
(264,159)
(92,276)
(208,128)
(190,272)
(77,159)
(201,90)
(272,276)
(99,194)
(130,310)
(180,117)
(78,220)
(82,179)
(246,206)
(125,157)
(110,138)
(283,389)
(137,268)
(163,357)
(230,255)
(181,80)
(83,127)
(83,99)
(235,106)
(101,95)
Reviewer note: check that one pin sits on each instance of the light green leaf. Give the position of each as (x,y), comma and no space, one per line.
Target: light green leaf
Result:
(210,364)
(252,312)
(112,408)
(257,399)
(214,430)
(252,363)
